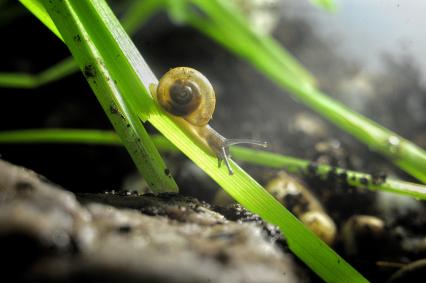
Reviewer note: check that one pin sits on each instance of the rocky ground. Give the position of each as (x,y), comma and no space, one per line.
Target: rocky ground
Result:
(48,234)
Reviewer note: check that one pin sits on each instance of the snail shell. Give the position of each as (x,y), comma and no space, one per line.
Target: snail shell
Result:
(187,93)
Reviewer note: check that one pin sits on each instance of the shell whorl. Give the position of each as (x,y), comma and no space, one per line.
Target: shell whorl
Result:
(187,93)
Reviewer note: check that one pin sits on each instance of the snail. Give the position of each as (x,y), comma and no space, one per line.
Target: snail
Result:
(188,96)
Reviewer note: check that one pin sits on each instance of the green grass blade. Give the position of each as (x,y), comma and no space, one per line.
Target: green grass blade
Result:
(37,8)
(79,136)
(223,26)
(250,156)
(405,154)
(136,15)
(349,177)
(102,69)
(22,80)
(323,260)
(138,12)
(227,20)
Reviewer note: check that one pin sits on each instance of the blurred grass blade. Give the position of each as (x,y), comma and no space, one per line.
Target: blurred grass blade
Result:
(107,31)
(81,136)
(22,80)
(109,81)
(341,176)
(137,13)
(228,29)
(228,25)
(328,5)
(405,154)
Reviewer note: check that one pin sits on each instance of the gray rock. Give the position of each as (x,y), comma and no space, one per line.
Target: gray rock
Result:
(46,234)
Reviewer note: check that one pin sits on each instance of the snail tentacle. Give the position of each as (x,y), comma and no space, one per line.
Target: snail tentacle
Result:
(225,156)
(230,142)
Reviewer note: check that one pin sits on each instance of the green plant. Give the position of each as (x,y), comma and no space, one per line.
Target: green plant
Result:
(225,24)
(96,39)
(250,156)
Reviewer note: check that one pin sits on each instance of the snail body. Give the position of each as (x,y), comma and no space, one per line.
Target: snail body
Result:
(188,96)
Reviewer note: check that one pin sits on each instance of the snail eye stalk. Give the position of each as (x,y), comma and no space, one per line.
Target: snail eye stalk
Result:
(230,142)
(224,154)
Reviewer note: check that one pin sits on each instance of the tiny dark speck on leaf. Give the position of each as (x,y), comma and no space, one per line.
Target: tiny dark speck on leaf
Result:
(343,176)
(363,180)
(167,172)
(379,178)
(139,140)
(312,168)
(128,125)
(113,109)
(77,38)
(89,71)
